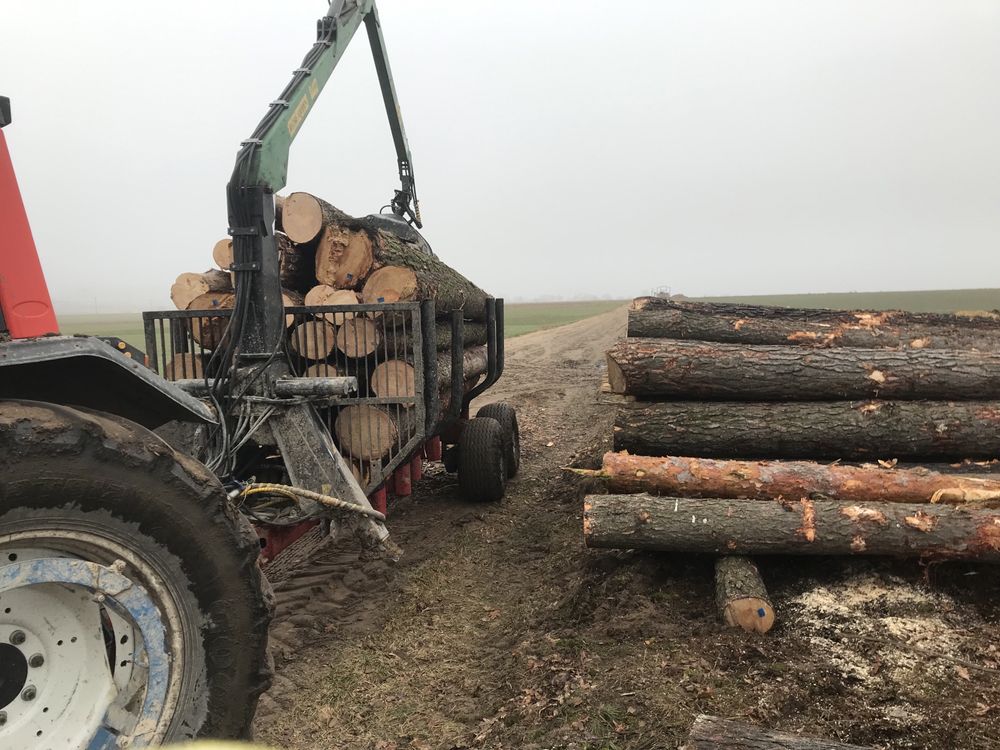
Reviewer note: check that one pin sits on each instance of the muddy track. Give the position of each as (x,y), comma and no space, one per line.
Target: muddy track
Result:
(498,630)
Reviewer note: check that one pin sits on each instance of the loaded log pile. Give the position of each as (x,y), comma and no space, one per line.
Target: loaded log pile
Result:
(328,258)
(742,428)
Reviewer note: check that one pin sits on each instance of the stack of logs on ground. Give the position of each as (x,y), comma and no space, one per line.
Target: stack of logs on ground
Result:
(330,258)
(751,430)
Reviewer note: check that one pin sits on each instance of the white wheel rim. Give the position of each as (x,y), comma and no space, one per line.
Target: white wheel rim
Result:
(61,621)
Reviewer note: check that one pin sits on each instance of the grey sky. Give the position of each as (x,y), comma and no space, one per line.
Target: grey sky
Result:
(560,148)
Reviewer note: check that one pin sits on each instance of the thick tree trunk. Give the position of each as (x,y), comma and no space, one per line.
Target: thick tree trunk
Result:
(343,256)
(475,362)
(794,527)
(741,596)
(820,315)
(222,253)
(907,430)
(771,480)
(304,216)
(866,333)
(713,733)
(393,378)
(697,370)
(189,286)
(405,272)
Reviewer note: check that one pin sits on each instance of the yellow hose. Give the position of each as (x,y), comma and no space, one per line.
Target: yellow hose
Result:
(297,492)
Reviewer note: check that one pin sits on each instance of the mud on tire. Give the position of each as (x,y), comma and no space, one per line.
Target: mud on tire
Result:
(482,469)
(505,414)
(65,471)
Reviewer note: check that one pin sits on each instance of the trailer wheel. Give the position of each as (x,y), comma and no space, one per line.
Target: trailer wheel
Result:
(482,469)
(129,588)
(505,414)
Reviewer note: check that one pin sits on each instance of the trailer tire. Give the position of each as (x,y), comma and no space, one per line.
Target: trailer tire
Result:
(505,414)
(97,487)
(482,469)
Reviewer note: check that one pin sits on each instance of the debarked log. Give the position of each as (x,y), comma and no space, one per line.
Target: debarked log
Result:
(772,480)
(714,733)
(793,527)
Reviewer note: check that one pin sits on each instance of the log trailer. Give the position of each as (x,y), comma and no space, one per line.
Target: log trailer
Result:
(133,604)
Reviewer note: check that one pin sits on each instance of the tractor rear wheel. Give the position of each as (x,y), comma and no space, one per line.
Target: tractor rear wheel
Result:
(482,466)
(131,604)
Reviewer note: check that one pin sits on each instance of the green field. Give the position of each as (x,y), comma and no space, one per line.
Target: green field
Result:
(127,326)
(923,301)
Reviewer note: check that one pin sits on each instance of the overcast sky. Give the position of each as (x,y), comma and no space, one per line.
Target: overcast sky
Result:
(560,148)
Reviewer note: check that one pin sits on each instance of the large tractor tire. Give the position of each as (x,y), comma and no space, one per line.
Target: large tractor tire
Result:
(131,603)
(482,466)
(505,414)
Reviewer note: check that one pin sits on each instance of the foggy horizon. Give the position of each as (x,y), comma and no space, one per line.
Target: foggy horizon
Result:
(716,148)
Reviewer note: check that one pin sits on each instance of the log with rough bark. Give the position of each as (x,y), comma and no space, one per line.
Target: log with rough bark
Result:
(295,265)
(866,331)
(189,286)
(290,298)
(907,430)
(714,733)
(771,480)
(741,596)
(990,321)
(735,372)
(208,331)
(793,527)
(405,272)
(475,361)
(325,294)
(312,339)
(358,337)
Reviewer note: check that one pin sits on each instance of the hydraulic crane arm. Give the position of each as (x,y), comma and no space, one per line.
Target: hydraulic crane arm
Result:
(263,159)
(261,168)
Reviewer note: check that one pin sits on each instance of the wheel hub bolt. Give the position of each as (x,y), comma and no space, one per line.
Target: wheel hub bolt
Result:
(17,637)
(36,660)
(29,693)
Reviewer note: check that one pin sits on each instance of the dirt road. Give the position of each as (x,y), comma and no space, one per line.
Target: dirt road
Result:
(498,630)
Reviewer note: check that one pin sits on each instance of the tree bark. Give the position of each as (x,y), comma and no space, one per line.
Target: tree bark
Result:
(475,362)
(867,332)
(925,430)
(820,315)
(772,480)
(735,372)
(713,733)
(741,596)
(795,527)
(405,272)
(295,265)
(189,286)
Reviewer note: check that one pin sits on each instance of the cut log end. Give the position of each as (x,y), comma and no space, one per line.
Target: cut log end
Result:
(324,294)
(393,379)
(358,338)
(343,257)
(189,286)
(367,433)
(313,339)
(301,217)
(222,253)
(390,284)
(741,596)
